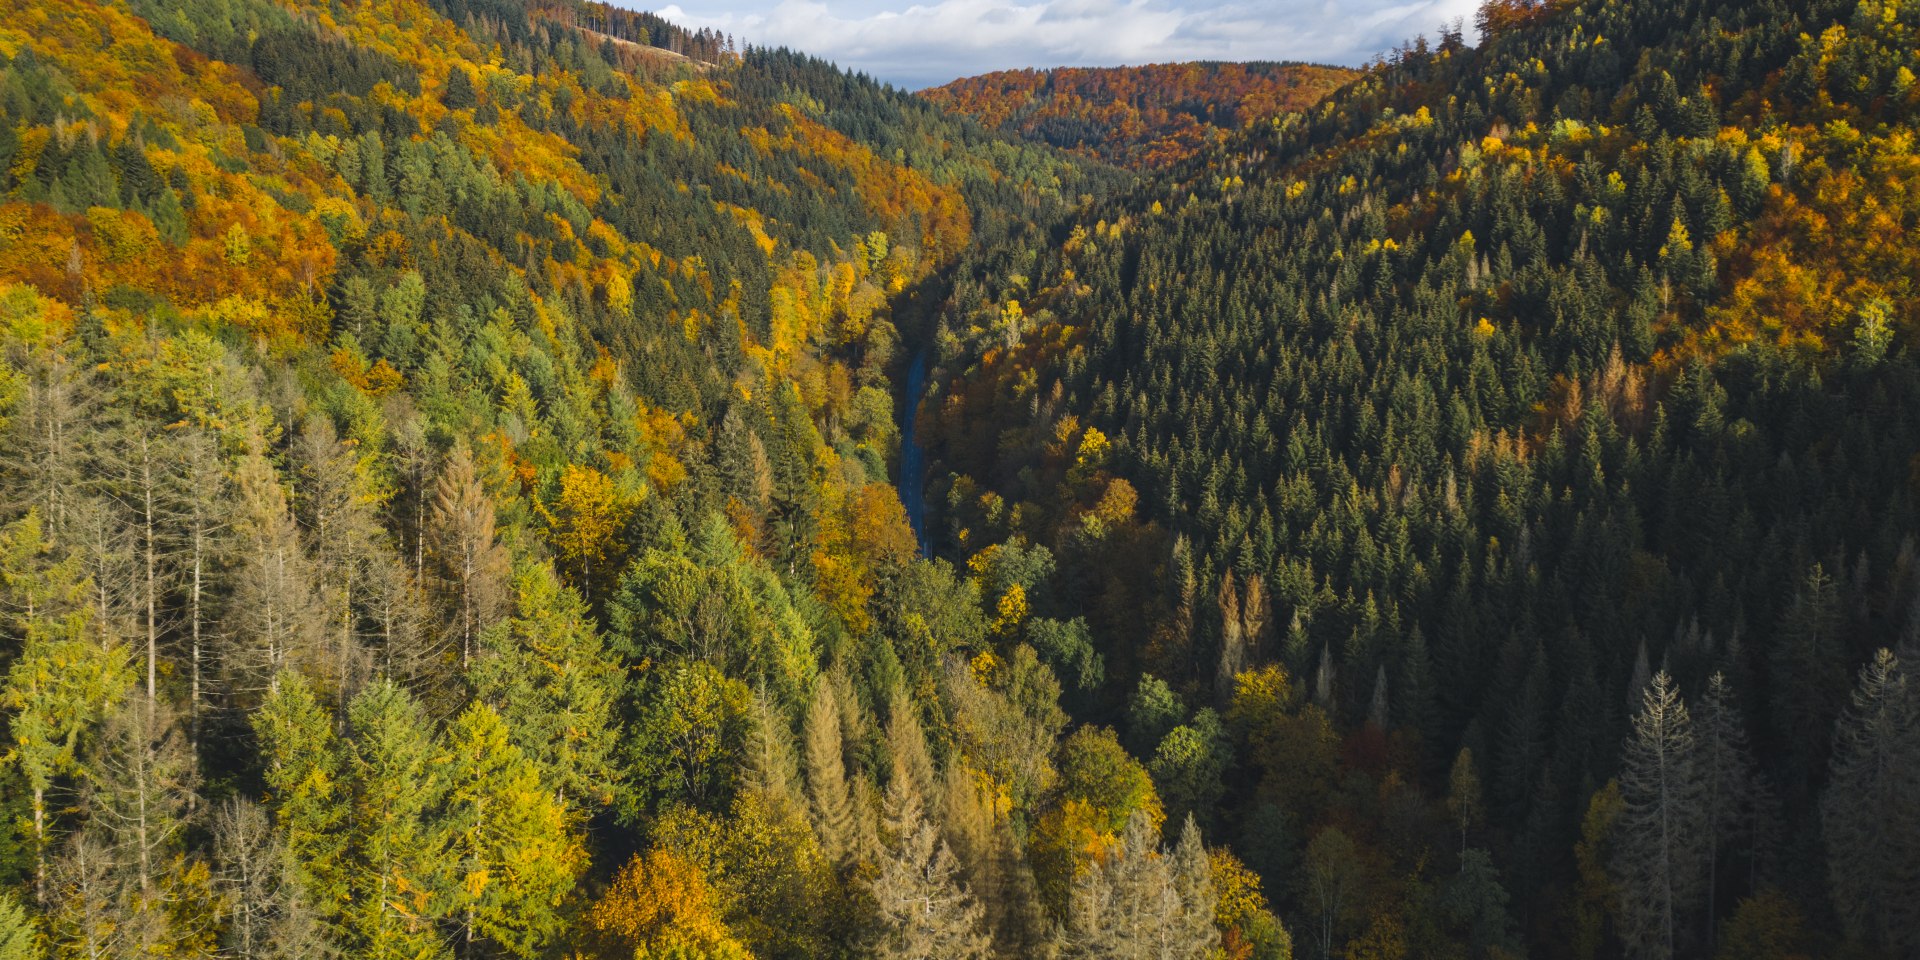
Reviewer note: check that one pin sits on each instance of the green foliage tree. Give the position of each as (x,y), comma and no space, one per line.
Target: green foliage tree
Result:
(1871,840)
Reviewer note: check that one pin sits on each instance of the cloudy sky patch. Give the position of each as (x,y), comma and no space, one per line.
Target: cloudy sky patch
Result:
(928,43)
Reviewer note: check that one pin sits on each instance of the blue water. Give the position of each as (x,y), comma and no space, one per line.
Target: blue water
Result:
(913,459)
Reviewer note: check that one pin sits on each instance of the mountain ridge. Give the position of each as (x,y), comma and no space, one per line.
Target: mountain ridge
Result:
(1149,116)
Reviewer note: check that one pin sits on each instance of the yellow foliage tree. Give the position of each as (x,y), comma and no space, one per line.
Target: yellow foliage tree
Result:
(661,907)
(584,523)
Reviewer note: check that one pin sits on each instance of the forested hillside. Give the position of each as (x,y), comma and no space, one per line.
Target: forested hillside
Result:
(444,455)
(1147,117)
(1490,494)
(448,463)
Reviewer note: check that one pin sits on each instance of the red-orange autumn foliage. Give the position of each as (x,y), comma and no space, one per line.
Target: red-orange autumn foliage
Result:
(1148,117)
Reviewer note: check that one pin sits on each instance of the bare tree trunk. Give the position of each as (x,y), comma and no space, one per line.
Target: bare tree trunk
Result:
(40,843)
(152,563)
(194,615)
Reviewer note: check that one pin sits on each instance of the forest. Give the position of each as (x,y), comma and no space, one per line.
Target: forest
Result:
(1490,492)
(1150,117)
(451,492)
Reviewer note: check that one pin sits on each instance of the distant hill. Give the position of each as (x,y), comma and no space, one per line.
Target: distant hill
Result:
(1143,117)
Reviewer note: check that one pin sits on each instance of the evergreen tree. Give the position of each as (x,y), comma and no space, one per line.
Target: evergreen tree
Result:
(1873,837)
(19,938)
(547,672)
(399,868)
(1726,771)
(515,853)
(1661,851)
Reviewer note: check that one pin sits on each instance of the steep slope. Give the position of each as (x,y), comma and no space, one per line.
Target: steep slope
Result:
(1146,117)
(1415,434)
(430,429)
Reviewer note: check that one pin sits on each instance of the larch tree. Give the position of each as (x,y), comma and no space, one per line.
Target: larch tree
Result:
(147,470)
(1331,882)
(1464,802)
(1660,839)
(1871,810)
(248,857)
(141,784)
(924,911)
(995,865)
(203,521)
(84,912)
(828,792)
(45,449)
(274,619)
(471,570)
(344,535)
(1142,902)
(771,769)
(907,749)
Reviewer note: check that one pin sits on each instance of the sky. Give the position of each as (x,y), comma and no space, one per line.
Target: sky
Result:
(926,43)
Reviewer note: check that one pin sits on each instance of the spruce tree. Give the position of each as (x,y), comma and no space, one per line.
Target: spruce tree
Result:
(1868,812)
(1727,772)
(1661,852)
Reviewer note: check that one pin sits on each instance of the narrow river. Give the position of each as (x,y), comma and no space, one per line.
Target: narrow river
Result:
(913,459)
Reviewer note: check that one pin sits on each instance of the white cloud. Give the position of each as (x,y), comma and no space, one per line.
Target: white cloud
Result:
(931,43)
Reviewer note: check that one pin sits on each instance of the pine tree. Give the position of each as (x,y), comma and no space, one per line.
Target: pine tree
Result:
(1868,811)
(1660,846)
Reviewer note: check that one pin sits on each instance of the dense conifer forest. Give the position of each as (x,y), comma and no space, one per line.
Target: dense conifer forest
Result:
(1488,496)
(466,491)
